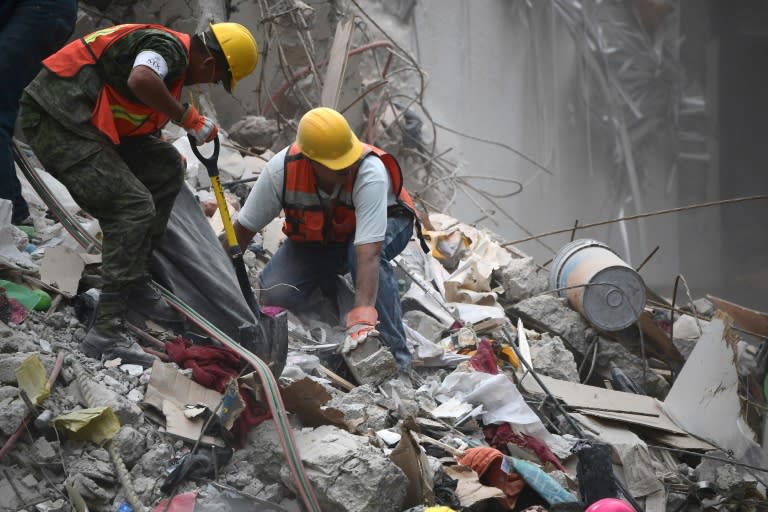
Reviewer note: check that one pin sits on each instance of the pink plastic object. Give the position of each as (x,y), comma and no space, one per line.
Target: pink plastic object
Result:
(610,505)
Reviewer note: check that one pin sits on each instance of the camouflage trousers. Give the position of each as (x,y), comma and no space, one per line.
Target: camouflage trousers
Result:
(130,188)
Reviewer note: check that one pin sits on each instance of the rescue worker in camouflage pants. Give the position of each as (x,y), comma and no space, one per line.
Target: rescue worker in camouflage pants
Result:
(93,117)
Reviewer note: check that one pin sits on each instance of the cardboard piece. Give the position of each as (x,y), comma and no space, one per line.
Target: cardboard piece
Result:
(62,269)
(749,319)
(306,398)
(469,490)
(606,403)
(409,457)
(170,391)
(705,397)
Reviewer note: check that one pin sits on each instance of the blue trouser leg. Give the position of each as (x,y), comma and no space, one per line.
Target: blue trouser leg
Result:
(30,30)
(296,270)
(399,231)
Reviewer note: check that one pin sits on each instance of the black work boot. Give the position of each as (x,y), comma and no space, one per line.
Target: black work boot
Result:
(107,338)
(144,301)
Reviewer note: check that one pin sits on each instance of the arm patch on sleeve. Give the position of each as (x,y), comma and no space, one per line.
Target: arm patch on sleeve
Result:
(153,61)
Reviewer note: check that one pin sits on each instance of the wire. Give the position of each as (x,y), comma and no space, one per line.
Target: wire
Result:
(642,215)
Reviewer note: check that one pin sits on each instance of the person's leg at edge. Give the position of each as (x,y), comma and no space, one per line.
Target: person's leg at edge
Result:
(399,232)
(159,167)
(52,22)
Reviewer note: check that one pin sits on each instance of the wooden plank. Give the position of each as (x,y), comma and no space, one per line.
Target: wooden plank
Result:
(337,379)
(749,319)
(337,65)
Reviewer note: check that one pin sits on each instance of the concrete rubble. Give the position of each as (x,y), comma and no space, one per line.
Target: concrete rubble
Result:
(502,362)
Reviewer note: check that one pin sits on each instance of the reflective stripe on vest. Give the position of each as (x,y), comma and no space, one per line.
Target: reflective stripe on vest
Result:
(114,115)
(306,219)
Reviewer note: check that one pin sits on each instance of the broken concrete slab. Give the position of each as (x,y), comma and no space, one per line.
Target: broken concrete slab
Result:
(371,362)
(9,363)
(554,314)
(612,353)
(361,404)
(425,324)
(521,279)
(551,358)
(347,473)
(14,412)
(130,444)
(254,131)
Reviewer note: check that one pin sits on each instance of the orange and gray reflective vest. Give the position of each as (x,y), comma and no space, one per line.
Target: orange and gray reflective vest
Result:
(307,220)
(114,115)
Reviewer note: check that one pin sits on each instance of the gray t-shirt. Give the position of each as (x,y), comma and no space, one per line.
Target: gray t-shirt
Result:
(371,195)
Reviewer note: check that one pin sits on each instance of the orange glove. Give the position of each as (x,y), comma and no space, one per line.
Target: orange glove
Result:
(486,462)
(200,127)
(361,323)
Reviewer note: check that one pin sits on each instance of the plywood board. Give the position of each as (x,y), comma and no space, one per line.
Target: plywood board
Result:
(704,398)
(337,65)
(606,403)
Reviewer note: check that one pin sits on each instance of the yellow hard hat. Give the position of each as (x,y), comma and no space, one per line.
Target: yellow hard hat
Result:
(439,509)
(325,137)
(239,47)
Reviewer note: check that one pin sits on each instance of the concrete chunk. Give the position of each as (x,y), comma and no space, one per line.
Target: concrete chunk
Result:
(520,279)
(551,358)
(349,474)
(371,362)
(556,315)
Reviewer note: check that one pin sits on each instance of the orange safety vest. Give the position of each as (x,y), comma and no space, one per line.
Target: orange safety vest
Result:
(114,115)
(306,220)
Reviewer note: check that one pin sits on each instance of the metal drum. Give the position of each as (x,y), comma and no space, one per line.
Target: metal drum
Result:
(608,292)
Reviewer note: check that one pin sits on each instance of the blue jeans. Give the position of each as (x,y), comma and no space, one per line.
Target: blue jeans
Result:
(306,266)
(30,30)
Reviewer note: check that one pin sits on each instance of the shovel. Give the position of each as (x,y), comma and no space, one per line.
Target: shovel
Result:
(235,253)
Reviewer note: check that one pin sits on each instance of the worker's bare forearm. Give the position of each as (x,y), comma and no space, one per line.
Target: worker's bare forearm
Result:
(243,235)
(367,277)
(150,89)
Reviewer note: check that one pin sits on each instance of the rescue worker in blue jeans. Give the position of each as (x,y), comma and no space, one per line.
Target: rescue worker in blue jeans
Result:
(345,207)
(30,30)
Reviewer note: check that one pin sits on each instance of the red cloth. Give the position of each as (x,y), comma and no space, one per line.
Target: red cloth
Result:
(484,359)
(214,368)
(486,462)
(180,503)
(499,435)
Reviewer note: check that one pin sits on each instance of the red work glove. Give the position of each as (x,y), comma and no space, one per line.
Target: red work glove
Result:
(200,127)
(361,323)
(486,462)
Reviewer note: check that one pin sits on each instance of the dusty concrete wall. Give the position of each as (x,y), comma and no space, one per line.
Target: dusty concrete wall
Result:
(500,73)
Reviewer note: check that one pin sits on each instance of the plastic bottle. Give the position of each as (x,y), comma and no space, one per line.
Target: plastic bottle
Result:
(35,299)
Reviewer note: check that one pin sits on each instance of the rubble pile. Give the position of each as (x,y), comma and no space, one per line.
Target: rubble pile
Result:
(518,374)
(515,401)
